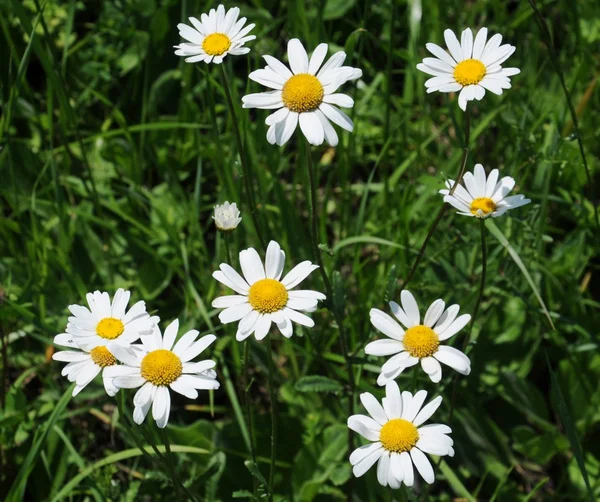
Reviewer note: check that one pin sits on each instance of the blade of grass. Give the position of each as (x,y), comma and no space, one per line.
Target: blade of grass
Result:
(495,231)
(570,428)
(554,59)
(118,457)
(455,483)
(17,490)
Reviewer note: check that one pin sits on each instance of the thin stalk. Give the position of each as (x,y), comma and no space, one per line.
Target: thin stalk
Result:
(389,68)
(554,59)
(414,381)
(171,466)
(272,398)
(226,236)
(248,403)
(482,284)
(132,434)
(3,380)
(444,207)
(475,310)
(169,459)
(243,157)
(338,318)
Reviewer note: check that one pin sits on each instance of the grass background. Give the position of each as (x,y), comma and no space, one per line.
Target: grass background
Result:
(113,153)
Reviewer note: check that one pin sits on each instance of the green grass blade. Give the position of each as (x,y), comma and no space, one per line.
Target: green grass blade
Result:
(495,231)
(455,483)
(570,428)
(118,457)
(17,489)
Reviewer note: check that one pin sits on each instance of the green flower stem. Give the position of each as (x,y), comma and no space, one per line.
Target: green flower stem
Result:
(475,310)
(243,157)
(248,403)
(171,467)
(273,398)
(226,237)
(554,59)
(483,278)
(337,315)
(444,207)
(132,434)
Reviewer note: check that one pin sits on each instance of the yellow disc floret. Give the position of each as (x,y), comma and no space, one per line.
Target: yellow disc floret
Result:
(469,72)
(421,341)
(102,357)
(267,296)
(216,44)
(110,328)
(486,205)
(161,367)
(398,435)
(302,93)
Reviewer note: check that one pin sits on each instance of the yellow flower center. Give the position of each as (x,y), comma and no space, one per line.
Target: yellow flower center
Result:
(486,205)
(102,357)
(161,367)
(421,341)
(469,71)
(398,435)
(302,93)
(216,44)
(267,296)
(110,328)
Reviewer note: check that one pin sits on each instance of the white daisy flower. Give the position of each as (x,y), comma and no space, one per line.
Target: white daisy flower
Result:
(84,365)
(264,298)
(483,197)
(227,216)
(216,36)
(160,365)
(472,67)
(305,95)
(398,438)
(105,321)
(420,341)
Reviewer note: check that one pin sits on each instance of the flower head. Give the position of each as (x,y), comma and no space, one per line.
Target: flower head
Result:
(227,216)
(262,297)
(217,35)
(104,321)
(304,95)
(398,438)
(483,197)
(420,341)
(84,365)
(472,67)
(160,364)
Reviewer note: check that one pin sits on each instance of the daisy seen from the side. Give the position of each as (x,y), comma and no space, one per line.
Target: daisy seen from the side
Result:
(399,440)
(411,341)
(105,321)
(163,365)
(83,366)
(304,94)
(263,297)
(213,37)
(227,216)
(483,196)
(471,66)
